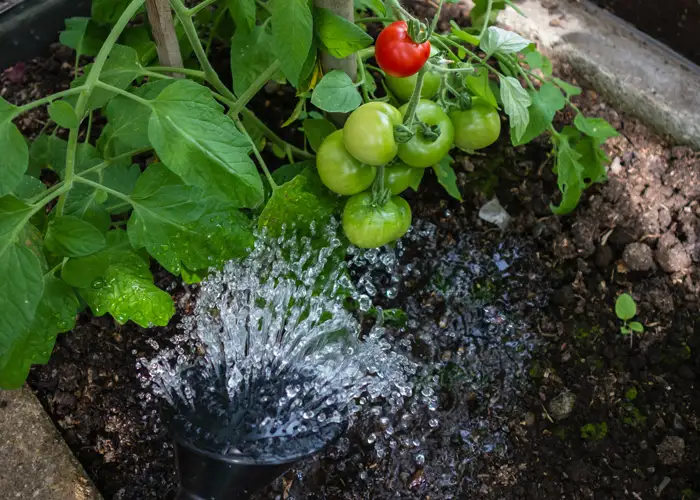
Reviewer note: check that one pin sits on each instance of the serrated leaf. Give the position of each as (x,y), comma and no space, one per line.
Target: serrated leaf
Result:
(625,307)
(108,11)
(569,90)
(292,32)
(55,313)
(194,139)
(286,173)
(516,101)
(63,114)
(545,103)
(251,54)
(598,128)
(182,228)
(316,130)
(340,37)
(301,202)
(375,5)
(118,281)
(120,178)
(243,13)
(127,125)
(28,188)
(569,176)
(14,156)
(139,39)
(478,83)
(497,40)
(447,178)
(593,159)
(121,68)
(68,236)
(336,93)
(536,60)
(83,35)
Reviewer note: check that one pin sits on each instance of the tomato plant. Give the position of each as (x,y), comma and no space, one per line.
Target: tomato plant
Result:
(178,175)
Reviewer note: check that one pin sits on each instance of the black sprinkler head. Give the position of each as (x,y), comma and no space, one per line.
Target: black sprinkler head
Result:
(204,475)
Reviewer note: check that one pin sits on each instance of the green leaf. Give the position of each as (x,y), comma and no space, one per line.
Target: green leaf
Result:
(478,13)
(545,103)
(316,130)
(194,138)
(121,68)
(625,307)
(28,188)
(497,40)
(478,83)
(251,54)
(593,159)
(598,128)
(118,281)
(299,203)
(123,179)
(286,173)
(108,11)
(340,37)
(139,39)
(83,35)
(336,93)
(243,13)
(55,313)
(569,90)
(14,152)
(636,326)
(127,126)
(447,178)
(292,31)
(69,236)
(569,176)
(516,100)
(538,61)
(375,5)
(63,114)
(181,227)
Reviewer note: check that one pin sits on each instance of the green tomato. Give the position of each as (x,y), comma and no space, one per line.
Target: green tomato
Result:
(476,127)
(339,170)
(369,133)
(399,177)
(403,88)
(368,225)
(421,152)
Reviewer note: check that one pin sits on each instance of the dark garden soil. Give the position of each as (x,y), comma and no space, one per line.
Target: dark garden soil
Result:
(674,22)
(639,233)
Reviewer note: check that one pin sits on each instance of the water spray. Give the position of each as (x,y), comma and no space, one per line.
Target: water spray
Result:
(269,368)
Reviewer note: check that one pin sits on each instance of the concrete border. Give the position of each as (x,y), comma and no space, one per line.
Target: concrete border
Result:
(34,460)
(634,72)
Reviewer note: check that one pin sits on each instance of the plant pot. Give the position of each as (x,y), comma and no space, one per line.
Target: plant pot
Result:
(28,27)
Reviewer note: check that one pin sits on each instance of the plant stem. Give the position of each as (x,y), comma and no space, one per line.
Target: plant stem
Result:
(195,10)
(185,71)
(114,159)
(255,87)
(272,182)
(438,42)
(52,189)
(486,19)
(48,99)
(90,83)
(363,78)
(89,127)
(264,6)
(415,98)
(117,90)
(214,28)
(113,192)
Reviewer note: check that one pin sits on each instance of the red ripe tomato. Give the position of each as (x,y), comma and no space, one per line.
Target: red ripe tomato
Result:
(397,54)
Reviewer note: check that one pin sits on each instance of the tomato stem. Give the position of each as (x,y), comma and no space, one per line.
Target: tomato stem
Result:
(415,98)
(257,154)
(486,19)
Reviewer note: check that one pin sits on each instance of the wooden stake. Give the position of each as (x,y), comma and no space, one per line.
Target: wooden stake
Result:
(161,18)
(346,9)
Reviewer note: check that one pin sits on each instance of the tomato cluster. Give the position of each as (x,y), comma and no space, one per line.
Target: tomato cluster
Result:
(349,160)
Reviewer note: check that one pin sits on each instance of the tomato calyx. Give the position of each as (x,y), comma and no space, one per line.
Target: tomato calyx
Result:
(430,133)
(380,193)
(403,134)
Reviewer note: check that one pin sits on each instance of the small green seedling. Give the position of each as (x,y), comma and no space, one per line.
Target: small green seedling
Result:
(594,432)
(626,309)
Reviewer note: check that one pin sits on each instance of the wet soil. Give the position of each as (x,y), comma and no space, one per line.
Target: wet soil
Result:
(638,234)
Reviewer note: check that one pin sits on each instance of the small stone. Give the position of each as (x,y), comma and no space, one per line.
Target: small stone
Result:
(671,450)
(561,406)
(671,255)
(604,255)
(678,423)
(638,257)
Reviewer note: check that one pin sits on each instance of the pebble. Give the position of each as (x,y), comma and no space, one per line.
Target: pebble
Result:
(671,450)
(561,406)
(604,255)
(638,257)
(672,256)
